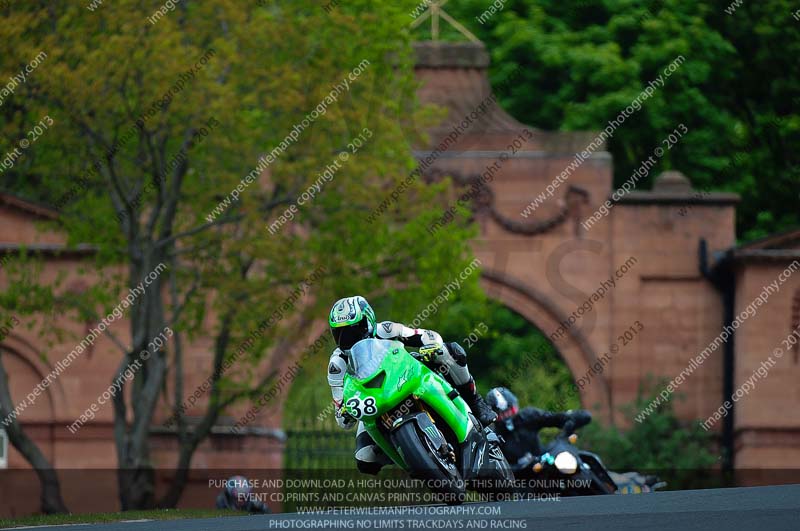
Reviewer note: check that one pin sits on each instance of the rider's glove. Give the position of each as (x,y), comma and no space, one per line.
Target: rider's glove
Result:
(344,419)
(429,353)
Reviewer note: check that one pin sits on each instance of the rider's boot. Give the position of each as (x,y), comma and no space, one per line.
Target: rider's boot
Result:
(369,457)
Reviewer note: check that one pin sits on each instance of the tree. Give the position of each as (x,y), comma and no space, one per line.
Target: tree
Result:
(583,62)
(26,298)
(192,151)
(51,501)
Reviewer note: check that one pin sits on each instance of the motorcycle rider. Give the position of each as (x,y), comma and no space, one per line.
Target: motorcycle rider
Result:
(520,428)
(236,497)
(353,319)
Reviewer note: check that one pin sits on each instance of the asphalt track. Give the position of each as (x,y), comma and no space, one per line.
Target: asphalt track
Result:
(760,508)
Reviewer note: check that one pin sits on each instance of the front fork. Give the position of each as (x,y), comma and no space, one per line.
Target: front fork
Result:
(480,449)
(431,432)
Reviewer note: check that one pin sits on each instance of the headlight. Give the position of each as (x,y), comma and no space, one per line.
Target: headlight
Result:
(566,463)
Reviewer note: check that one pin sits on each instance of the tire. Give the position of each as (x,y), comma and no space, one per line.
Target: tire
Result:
(439,474)
(497,471)
(595,488)
(504,471)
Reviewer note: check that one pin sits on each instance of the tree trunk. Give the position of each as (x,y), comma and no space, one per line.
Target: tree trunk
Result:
(136,488)
(188,442)
(173,495)
(136,476)
(51,489)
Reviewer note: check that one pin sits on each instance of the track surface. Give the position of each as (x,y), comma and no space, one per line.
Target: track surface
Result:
(758,508)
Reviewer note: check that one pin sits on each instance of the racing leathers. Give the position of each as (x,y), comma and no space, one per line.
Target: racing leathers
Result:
(251,506)
(521,432)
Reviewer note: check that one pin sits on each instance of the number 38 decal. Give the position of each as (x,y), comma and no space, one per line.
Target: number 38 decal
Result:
(359,408)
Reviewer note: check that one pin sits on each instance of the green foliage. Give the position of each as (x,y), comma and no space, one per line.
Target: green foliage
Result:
(512,353)
(155,125)
(738,92)
(119,193)
(678,452)
(96,518)
(308,403)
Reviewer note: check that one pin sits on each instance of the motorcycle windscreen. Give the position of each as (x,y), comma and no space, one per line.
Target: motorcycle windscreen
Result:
(367,355)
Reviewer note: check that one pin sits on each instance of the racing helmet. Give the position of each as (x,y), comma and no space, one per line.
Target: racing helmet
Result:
(503,402)
(351,320)
(237,490)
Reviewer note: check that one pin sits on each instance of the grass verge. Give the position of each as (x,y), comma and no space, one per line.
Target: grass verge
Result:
(162,514)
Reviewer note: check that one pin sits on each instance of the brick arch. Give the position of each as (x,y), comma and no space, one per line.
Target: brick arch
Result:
(574,348)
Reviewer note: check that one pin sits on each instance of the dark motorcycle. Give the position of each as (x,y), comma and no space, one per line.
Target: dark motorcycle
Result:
(568,471)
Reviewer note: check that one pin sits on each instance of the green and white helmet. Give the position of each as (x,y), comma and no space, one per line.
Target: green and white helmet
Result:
(351,320)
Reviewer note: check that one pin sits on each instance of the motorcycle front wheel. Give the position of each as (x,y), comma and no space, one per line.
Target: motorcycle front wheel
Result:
(439,473)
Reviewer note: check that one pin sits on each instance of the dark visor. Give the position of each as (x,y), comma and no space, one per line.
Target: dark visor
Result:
(347,336)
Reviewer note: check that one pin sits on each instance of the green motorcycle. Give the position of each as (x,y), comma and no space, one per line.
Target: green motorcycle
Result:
(421,422)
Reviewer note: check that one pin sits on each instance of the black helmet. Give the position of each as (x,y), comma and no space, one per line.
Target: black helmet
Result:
(503,402)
